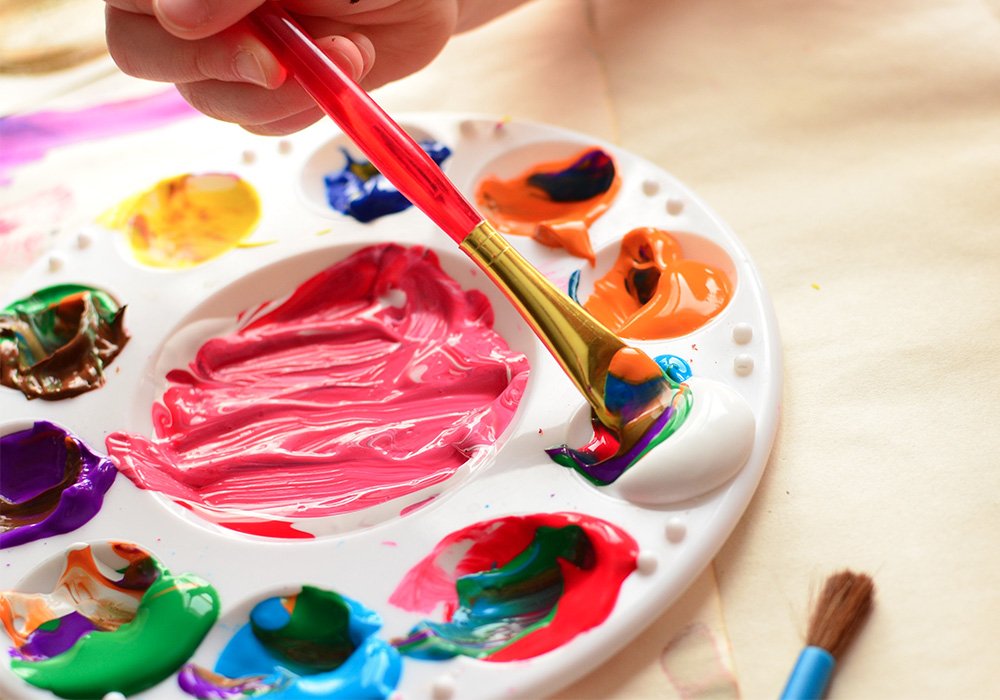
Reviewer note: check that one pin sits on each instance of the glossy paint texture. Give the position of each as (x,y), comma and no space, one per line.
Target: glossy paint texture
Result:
(57,343)
(376,378)
(653,291)
(109,626)
(359,190)
(186,220)
(312,645)
(555,203)
(627,386)
(515,587)
(50,483)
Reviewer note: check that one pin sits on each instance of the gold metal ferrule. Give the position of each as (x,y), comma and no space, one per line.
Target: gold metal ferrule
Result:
(581,344)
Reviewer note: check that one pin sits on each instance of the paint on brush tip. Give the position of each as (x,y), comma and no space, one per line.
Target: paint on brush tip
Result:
(57,343)
(515,587)
(315,644)
(50,483)
(118,622)
(604,459)
(360,191)
(377,378)
(186,220)
(555,203)
(654,291)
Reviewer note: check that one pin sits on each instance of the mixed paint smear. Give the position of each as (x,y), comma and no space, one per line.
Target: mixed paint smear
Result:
(50,483)
(117,623)
(653,291)
(359,190)
(57,343)
(374,379)
(313,645)
(29,137)
(515,587)
(555,203)
(603,460)
(186,220)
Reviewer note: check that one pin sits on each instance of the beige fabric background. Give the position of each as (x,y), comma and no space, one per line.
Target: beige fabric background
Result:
(855,149)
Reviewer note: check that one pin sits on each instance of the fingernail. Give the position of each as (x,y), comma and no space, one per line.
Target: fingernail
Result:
(182,15)
(349,55)
(367,49)
(249,68)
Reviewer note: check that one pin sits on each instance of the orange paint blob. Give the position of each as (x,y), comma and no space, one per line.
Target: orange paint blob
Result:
(186,220)
(654,292)
(633,366)
(555,203)
(83,587)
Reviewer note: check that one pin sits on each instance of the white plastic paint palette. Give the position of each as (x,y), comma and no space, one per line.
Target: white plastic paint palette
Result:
(364,555)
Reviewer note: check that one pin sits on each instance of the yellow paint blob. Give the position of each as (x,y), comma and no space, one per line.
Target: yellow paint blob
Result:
(185,220)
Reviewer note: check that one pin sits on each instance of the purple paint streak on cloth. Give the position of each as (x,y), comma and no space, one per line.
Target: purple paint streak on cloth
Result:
(25,138)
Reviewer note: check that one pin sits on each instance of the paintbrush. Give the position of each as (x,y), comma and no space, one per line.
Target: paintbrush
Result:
(585,349)
(839,613)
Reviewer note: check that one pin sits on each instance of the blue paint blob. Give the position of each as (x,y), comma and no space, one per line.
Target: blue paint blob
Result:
(362,192)
(590,175)
(334,655)
(675,367)
(573,288)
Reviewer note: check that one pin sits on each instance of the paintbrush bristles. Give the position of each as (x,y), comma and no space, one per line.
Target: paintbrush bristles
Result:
(840,612)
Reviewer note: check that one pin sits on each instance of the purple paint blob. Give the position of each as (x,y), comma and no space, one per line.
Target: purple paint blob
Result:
(28,137)
(206,685)
(48,641)
(50,483)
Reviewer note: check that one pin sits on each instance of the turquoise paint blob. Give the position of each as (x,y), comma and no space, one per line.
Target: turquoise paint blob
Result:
(310,646)
(675,367)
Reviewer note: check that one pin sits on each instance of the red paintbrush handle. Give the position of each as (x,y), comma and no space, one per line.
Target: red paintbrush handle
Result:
(384,143)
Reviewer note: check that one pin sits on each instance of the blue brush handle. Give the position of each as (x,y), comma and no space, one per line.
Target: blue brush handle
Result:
(810,676)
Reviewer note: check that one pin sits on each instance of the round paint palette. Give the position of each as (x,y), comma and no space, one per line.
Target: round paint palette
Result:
(431,568)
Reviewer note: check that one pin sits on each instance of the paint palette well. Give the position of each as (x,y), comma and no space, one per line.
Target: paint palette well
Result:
(634,544)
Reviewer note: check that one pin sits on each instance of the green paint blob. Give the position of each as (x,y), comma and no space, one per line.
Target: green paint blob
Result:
(314,638)
(173,616)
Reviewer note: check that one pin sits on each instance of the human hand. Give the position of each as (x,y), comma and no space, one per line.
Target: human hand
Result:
(225,72)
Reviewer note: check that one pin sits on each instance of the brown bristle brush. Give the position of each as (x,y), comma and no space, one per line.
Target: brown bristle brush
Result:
(840,611)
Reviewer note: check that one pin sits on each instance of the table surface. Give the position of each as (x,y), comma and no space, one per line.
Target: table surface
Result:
(855,149)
